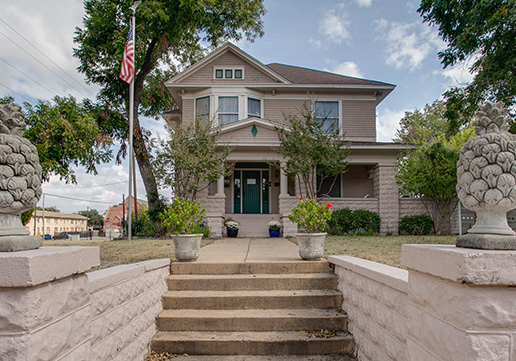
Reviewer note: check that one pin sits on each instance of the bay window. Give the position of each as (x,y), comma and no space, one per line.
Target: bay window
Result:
(228,110)
(254,108)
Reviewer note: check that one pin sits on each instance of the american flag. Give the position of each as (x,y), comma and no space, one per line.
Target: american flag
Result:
(127,70)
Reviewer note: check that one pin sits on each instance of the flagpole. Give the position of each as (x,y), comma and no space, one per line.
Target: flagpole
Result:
(131,126)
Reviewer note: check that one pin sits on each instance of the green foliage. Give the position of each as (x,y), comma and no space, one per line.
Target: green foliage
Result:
(26,216)
(311,215)
(49,209)
(359,222)
(202,229)
(182,216)
(481,33)
(310,150)
(145,226)
(417,225)
(65,134)
(166,31)
(428,166)
(188,158)
(94,218)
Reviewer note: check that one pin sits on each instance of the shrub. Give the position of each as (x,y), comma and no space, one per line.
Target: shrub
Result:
(310,215)
(417,225)
(357,223)
(182,216)
(201,228)
(274,225)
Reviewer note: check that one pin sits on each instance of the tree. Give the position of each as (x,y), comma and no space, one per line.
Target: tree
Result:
(312,154)
(165,29)
(188,160)
(65,134)
(94,218)
(49,209)
(428,166)
(483,33)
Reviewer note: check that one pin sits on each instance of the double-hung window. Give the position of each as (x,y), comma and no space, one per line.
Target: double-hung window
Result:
(327,112)
(202,110)
(254,108)
(228,109)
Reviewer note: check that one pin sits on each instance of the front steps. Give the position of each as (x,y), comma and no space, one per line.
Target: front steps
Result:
(274,309)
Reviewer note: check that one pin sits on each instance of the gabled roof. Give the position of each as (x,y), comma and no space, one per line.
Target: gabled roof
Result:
(217,53)
(300,75)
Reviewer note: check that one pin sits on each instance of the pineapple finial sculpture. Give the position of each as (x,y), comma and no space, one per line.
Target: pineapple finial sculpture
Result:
(20,181)
(486,180)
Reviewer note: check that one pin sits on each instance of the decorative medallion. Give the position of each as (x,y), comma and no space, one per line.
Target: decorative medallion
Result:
(254,131)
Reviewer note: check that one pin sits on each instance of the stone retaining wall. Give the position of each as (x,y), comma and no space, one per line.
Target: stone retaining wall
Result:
(125,301)
(375,299)
(50,309)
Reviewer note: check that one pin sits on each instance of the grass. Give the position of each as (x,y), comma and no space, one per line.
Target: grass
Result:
(381,249)
(114,253)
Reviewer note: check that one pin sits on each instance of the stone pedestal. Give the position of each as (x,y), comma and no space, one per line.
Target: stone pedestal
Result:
(45,303)
(461,304)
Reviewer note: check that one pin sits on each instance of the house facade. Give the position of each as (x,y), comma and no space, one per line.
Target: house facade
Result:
(53,223)
(247,99)
(116,216)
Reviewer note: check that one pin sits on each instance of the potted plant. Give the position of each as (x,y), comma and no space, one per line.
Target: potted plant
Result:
(274,228)
(180,219)
(231,227)
(312,217)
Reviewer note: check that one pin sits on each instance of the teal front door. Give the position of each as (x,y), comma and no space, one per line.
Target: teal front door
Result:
(251,184)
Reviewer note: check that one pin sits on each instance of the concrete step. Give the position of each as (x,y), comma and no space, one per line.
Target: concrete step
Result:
(251,343)
(307,281)
(236,300)
(260,358)
(206,268)
(252,320)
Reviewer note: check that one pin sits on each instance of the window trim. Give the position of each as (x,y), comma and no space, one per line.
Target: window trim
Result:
(219,113)
(339,111)
(249,115)
(232,69)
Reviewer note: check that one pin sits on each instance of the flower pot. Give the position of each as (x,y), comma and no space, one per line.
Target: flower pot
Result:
(274,232)
(232,232)
(187,246)
(311,245)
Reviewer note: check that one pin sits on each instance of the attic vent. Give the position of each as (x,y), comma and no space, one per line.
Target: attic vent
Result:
(228,73)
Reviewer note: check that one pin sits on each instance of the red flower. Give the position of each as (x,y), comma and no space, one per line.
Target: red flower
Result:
(300,198)
(328,205)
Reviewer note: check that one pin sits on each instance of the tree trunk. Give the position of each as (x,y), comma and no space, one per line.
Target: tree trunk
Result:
(145,166)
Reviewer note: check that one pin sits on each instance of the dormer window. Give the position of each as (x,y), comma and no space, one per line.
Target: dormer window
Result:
(228,73)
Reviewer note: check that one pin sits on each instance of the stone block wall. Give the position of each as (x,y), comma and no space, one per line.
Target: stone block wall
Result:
(386,190)
(125,301)
(50,309)
(375,299)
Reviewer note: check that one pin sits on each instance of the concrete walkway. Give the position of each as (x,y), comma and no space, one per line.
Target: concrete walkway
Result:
(249,250)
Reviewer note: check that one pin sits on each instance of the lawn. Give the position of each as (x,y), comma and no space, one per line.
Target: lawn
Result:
(113,253)
(382,249)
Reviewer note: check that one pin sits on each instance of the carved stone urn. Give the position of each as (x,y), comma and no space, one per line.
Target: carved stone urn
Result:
(486,180)
(20,181)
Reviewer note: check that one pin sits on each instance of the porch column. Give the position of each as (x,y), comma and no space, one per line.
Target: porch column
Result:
(283,182)
(220,186)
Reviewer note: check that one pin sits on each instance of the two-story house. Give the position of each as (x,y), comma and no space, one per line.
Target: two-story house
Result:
(246,98)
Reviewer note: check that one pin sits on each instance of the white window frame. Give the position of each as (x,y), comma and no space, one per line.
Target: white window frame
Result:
(219,113)
(209,108)
(339,109)
(249,115)
(233,70)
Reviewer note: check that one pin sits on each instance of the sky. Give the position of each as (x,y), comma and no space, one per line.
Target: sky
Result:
(372,39)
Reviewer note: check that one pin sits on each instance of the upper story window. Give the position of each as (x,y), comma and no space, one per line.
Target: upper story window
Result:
(202,109)
(254,108)
(228,110)
(328,113)
(228,73)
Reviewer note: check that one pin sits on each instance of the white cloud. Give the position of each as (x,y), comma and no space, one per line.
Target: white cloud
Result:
(348,68)
(459,75)
(366,3)
(387,122)
(334,26)
(408,45)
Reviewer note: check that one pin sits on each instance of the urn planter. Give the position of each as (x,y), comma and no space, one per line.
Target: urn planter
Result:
(311,245)
(187,246)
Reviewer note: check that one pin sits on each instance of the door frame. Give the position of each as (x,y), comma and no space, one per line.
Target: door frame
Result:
(261,170)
